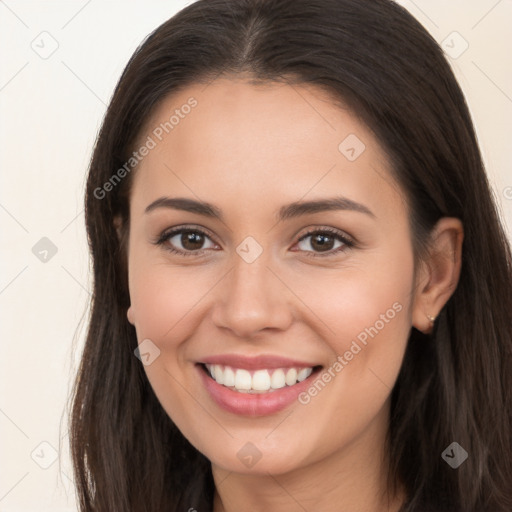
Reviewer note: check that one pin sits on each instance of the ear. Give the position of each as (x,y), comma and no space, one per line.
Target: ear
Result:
(118,224)
(130,315)
(438,276)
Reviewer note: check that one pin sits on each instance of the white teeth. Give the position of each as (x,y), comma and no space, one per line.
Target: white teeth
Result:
(304,374)
(291,377)
(242,379)
(277,380)
(229,377)
(260,380)
(218,374)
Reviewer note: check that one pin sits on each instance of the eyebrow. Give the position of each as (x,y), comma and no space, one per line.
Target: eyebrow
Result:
(288,211)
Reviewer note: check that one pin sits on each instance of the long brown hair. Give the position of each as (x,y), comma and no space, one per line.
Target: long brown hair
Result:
(455,385)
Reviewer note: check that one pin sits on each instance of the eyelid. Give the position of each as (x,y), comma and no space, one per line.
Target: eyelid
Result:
(325,229)
(185,227)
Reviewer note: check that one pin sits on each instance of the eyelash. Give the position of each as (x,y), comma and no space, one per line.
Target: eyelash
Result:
(166,235)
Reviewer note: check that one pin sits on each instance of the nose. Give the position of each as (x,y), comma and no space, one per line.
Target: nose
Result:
(252,298)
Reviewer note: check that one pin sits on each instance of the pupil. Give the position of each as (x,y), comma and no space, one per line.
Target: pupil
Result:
(189,238)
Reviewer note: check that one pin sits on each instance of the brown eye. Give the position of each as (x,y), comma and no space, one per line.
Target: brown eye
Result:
(192,240)
(324,241)
(186,242)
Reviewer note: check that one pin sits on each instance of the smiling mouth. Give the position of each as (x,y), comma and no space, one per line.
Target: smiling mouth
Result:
(258,381)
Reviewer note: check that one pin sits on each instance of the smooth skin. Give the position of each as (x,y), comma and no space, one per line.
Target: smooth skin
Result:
(249,150)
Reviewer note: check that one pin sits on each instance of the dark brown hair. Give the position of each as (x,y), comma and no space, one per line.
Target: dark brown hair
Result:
(455,385)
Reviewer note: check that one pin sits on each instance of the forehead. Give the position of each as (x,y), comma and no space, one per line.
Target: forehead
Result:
(260,142)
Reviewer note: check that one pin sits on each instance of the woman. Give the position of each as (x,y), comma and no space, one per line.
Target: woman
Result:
(302,289)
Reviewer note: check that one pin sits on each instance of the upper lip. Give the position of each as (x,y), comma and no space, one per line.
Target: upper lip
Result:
(256,362)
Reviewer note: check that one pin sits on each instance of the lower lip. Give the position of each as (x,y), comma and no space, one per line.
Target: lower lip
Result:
(254,404)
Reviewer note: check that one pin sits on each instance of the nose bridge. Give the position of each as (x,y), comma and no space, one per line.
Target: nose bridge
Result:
(251,298)
(250,275)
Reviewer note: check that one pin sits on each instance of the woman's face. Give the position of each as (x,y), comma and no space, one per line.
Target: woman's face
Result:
(296,258)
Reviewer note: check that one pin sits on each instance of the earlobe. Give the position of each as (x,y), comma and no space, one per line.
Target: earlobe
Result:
(130,316)
(422,315)
(439,275)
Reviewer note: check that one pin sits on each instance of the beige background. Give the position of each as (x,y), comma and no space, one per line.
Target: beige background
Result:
(51,108)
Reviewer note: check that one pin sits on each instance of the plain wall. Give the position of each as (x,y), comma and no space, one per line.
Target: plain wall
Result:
(51,108)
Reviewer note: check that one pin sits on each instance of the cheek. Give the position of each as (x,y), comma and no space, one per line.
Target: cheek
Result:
(166,302)
(362,302)
(366,318)
(162,296)
(157,301)
(369,326)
